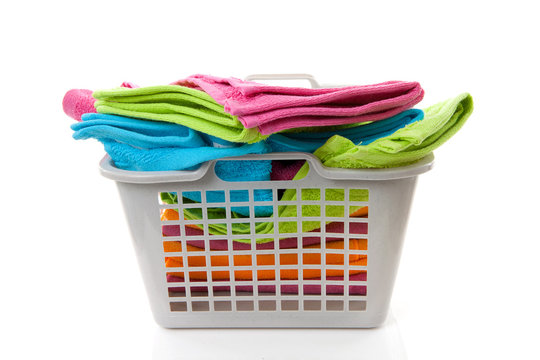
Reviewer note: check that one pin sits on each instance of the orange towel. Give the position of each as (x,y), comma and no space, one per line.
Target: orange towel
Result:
(267,259)
(362,212)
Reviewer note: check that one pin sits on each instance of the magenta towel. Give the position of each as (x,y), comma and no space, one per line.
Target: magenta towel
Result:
(285,169)
(312,289)
(276,108)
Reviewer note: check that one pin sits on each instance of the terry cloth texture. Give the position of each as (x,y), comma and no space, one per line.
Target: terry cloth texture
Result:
(285,227)
(362,134)
(275,108)
(141,145)
(405,146)
(177,104)
(77,102)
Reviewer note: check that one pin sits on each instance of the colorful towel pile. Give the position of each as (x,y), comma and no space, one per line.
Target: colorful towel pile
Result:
(201,118)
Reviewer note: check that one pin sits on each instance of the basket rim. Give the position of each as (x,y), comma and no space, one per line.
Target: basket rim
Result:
(110,171)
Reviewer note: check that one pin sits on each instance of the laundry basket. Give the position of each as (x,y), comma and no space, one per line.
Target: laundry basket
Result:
(344,278)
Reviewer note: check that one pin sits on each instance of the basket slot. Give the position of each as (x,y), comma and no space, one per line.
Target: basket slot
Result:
(265,249)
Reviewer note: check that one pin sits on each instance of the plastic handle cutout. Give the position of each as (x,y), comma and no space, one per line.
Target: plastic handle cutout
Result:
(314,84)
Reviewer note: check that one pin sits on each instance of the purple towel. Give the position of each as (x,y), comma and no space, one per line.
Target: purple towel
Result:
(288,243)
(313,289)
(334,227)
(285,170)
(275,108)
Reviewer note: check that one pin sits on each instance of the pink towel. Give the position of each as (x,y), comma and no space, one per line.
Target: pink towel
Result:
(275,108)
(77,102)
(80,101)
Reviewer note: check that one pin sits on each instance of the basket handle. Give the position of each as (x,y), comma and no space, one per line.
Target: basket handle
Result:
(151,177)
(308,77)
(314,162)
(316,168)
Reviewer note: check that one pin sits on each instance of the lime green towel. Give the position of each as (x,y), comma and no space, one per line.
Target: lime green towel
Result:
(405,146)
(284,211)
(177,104)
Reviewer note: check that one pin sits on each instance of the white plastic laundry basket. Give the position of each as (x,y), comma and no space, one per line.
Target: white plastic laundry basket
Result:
(203,301)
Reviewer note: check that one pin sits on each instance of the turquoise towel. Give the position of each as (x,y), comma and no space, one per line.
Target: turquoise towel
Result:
(142,145)
(359,134)
(257,170)
(138,133)
(128,157)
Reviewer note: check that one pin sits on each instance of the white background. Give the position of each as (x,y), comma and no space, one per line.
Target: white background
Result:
(467,287)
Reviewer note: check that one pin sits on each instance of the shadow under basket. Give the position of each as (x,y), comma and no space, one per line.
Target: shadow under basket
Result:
(322,251)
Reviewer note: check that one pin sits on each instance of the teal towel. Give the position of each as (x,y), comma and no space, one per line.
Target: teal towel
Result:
(365,133)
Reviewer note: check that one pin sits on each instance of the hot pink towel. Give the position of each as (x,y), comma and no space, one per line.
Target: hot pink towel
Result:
(80,101)
(275,108)
(77,102)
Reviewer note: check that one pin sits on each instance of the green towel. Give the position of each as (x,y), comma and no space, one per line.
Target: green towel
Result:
(284,211)
(405,146)
(177,104)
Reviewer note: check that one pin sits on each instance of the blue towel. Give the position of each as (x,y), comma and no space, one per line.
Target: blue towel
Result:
(128,157)
(257,170)
(139,133)
(362,134)
(141,145)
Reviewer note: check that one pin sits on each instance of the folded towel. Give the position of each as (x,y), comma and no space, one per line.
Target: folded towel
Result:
(274,108)
(138,133)
(77,102)
(362,134)
(217,260)
(310,141)
(80,101)
(178,104)
(158,146)
(311,289)
(403,147)
(164,159)
(220,245)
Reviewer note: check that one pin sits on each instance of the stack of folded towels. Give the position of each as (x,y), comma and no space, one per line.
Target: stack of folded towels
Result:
(201,118)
